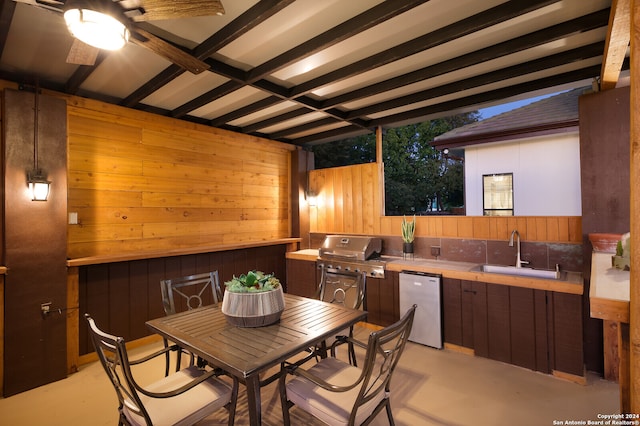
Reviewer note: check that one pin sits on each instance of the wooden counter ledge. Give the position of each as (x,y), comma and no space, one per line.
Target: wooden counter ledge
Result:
(123,257)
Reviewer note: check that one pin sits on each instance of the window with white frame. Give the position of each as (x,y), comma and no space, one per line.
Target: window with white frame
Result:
(497,194)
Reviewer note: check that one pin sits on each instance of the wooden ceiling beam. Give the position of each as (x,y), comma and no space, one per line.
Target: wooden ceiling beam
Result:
(559,59)
(464,27)
(575,55)
(519,44)
(239,26)
(616,44)
(494,95)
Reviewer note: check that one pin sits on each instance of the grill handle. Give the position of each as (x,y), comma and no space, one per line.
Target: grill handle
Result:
(343,255)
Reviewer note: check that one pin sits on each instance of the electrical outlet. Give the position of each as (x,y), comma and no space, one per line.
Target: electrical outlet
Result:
(435,251)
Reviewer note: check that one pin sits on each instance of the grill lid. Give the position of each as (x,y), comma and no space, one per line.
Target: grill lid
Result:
(350,247)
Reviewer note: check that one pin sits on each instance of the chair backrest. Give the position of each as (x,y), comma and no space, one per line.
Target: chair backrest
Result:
(193,291)
(344,289)
(383,353)
(112,353)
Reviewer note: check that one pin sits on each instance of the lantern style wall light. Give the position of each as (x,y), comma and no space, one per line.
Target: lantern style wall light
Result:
(37,181)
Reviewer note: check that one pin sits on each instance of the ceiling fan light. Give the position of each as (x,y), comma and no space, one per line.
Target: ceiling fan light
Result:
(96,28)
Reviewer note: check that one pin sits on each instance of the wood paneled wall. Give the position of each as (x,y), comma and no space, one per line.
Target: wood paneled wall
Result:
(350,200)
(121,296)
(143,182)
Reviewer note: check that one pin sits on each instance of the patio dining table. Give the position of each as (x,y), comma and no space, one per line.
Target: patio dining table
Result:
(247,352)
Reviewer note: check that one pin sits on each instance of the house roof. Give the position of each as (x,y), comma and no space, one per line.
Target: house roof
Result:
(308,71)
(555,114)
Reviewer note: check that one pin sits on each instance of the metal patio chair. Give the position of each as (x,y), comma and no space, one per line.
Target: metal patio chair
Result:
(189,292)
(339,393)
(181,398)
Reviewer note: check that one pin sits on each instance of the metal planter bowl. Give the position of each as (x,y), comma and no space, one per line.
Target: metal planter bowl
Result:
(253,309)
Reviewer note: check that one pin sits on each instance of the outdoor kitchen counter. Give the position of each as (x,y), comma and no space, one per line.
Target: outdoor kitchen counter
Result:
(573,284)
(306,254)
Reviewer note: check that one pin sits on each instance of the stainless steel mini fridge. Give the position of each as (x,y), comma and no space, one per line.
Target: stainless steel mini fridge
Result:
(425,291)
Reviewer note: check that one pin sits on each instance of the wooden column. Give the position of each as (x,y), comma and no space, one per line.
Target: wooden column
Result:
(380,176)
(378,144)
(35,241)
(634,327)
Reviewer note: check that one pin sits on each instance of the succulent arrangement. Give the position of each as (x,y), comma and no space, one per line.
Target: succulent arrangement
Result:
(408,229)
(622,259)
(252,282)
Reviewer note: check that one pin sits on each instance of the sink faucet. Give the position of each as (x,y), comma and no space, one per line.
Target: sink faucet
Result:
(519,261)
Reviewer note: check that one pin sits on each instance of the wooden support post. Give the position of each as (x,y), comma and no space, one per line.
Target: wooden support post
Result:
(634,326)
(378,144)
(380,163)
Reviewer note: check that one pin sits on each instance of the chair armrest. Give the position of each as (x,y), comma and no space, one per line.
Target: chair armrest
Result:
(298,371)
(154,354)
(341,340)
(204,377)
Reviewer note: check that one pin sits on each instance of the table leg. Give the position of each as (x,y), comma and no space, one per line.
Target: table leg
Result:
(254,400)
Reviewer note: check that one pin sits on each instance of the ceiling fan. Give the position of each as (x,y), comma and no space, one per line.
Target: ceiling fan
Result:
(122,17)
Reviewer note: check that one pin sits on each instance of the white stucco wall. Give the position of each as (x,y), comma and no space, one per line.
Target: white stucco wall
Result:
(546,174)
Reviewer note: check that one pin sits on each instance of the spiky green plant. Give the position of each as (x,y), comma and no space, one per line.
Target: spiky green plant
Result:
(408,229)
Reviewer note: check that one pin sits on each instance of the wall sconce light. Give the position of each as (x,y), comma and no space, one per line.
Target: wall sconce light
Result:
(312,198)
(96,24)
(37,181)
(38,186)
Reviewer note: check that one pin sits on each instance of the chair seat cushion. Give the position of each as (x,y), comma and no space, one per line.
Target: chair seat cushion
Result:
(186,408)
(333,408)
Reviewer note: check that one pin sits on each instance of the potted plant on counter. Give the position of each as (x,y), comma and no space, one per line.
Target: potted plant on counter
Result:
(408,233)
(253,299)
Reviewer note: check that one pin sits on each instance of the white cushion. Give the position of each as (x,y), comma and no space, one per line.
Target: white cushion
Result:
(186,408)
(332,408)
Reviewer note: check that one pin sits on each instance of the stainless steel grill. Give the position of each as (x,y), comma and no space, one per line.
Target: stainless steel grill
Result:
(345,254)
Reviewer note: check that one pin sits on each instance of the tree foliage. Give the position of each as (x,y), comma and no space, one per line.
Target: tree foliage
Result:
(357,150)
(418,178)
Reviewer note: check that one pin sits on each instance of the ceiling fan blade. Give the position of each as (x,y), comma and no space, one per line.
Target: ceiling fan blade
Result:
(155,10)
(82,54)
(167,51)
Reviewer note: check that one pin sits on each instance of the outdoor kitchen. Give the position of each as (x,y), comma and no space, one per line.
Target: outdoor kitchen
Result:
(190,151)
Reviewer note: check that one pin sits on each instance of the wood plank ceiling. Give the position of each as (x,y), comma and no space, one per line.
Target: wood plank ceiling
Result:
(308,71)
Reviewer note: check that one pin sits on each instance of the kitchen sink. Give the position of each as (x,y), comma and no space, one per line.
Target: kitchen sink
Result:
(523,272)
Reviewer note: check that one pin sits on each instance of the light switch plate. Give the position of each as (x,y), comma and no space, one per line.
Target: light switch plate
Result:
(73,218)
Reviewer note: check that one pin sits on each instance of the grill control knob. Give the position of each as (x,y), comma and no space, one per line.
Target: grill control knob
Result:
(347,268)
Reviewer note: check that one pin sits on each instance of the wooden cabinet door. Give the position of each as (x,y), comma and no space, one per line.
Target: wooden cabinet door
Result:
(566,340)
(510,325)
(528,324)
(530,328)
(382,299)
(498,324)
(458,312)
(301,278)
